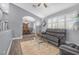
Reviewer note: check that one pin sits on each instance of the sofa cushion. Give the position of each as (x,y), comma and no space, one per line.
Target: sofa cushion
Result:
(52,38)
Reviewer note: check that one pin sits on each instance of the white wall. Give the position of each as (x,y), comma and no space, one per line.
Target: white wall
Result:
(15,19)
(5,42)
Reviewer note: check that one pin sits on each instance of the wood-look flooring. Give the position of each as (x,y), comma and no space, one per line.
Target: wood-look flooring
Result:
(30,45)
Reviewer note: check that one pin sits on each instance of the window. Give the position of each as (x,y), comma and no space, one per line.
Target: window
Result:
(70,20)
(49,23)
(62,22)
(54,23)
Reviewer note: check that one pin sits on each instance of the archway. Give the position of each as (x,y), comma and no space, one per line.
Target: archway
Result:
(28,23)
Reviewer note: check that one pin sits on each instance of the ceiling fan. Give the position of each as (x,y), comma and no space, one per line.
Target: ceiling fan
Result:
(39,4)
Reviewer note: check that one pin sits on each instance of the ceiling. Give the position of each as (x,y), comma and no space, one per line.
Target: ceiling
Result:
(42,11)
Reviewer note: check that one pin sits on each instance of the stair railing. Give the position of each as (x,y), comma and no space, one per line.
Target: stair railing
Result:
(3,21)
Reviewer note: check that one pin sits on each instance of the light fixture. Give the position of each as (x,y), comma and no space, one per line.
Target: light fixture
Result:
(39,4)
(28,18)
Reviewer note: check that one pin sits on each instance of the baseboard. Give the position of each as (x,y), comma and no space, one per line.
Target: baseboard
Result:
(11,43)
(18,38)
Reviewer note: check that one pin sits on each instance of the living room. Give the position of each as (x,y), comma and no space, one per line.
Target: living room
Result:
(40,29)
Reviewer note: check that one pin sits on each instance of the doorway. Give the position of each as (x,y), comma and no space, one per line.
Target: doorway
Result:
(28,23)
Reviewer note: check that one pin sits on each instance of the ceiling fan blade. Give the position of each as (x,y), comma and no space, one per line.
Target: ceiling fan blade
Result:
(45,5)
(39,4)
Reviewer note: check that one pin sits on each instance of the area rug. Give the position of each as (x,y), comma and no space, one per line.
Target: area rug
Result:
(32,47)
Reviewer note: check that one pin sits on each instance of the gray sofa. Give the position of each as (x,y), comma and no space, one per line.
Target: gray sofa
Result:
(71,46)
(54,36)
